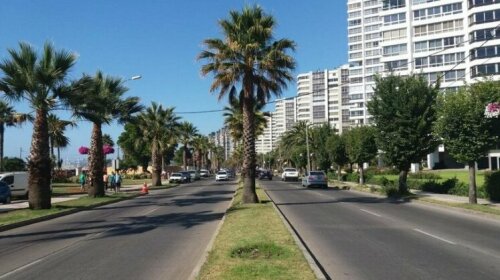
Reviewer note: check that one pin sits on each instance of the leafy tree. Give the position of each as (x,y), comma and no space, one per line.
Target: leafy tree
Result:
(404,111)
(37,79)
(466,133)
(186,133)
(99,99)
(337,151)
(8,117)
(361,147)
(318,146)
(249,56)
(14,164)
(157,127)
(135,153)
(201,146)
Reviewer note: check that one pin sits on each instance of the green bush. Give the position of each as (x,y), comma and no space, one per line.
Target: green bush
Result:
(60,177)
(390,190)
(351,177)
(424,175)
(439,187)
(376,171)
(492,185)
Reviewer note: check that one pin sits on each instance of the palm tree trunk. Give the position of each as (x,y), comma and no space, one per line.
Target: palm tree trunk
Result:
(156,164)
(472,183)
(39,164)
(96,159)
(249,157)
(59,163)
(2,132)
(184,157)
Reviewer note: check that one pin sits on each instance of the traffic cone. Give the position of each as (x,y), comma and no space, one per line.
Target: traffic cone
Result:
(144,189)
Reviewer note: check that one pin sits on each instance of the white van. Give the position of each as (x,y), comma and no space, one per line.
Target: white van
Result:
(17,181)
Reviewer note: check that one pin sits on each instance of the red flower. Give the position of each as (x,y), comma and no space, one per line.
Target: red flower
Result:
(83,150)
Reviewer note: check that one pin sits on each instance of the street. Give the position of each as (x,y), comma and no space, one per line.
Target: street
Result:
(159,236)
(360,236)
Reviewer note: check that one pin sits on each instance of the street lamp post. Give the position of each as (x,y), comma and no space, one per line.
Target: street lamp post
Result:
(307,149)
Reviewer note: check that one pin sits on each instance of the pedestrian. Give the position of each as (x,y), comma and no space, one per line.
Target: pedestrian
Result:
(105,181)
(112,181)
(118,181)
(82,180)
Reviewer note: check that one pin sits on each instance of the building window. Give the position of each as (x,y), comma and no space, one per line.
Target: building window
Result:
(392,4)
(394,50)
(395,19)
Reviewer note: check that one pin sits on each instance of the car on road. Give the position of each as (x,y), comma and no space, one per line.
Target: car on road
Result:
(221,176)
(17,181)
(5,194)
(315,178)
(187,176)
(290,174)
(195,175)
(204,173)
(265,174)
(176,178)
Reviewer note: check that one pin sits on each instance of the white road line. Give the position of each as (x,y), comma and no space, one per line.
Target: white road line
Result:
(22,267)
(370,212)
(434,236)
(150,211)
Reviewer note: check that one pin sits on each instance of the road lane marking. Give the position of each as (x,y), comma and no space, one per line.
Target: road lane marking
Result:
(370,212)
(21,268)
(434,236)
(150,211)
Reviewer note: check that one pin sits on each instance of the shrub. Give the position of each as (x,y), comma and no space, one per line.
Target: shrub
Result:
(59,176)
(351,177)
(424,175)
(439,187)
(390,190)
(492,185)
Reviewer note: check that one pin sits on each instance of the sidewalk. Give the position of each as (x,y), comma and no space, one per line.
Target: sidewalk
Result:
(21,204)
(435,196)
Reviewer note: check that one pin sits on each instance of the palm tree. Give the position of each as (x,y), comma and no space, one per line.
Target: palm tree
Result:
(37,80)
(57,139)
(248,56)
(100,100)
(157,126)
(8,117)
(233,117)
(107,140)
(201,146)
(186,134)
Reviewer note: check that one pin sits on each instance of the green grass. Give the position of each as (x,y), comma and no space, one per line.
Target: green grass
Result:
(253,243)
(461,175)
(83,202)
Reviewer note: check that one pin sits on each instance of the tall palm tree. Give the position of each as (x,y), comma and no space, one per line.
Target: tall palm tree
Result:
(8,117)
(157,126)
(201,146)
(233,117)
(187,131)
(36,79)
(99,99)
(248,56)
(107,140)
(57,139)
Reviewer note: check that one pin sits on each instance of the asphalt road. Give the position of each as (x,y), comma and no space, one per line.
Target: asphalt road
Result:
(359,236)
(159,236)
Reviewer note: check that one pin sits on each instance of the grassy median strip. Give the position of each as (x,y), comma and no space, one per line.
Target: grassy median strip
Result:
(22,215)
(253,243)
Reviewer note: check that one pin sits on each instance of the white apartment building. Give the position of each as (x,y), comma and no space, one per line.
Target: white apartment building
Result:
(320,97)
(222,138)
(283,118)
(264,142)
(455,41)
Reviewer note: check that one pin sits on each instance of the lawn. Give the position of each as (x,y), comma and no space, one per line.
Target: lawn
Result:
(253,243)
(461,175)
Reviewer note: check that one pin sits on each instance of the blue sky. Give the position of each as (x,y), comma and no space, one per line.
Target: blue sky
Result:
(159,39)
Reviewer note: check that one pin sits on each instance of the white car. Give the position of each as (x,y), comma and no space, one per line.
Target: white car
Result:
(221,176)
(290,174)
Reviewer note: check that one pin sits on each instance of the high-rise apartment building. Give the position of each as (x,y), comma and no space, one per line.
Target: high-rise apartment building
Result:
(320,97)
(264,142)
(283,117)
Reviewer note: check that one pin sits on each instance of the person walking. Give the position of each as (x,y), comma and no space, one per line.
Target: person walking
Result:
(112,181)
(82,180)
(118,182)
(105,181)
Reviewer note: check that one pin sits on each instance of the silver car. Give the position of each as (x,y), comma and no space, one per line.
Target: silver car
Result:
(315,178)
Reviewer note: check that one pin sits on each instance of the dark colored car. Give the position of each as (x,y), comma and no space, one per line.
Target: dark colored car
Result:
(187,176)
(265,174)
(5,194)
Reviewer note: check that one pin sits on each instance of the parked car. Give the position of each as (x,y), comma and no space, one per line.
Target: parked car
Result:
(315,178)
(221,176)
(204,173)
(176,178)
(195,175)
(265,174)
(5,194)
(187,176)
(17,181)
(290,174)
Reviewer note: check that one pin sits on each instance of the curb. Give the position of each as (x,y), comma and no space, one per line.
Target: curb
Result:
(316,267)
(197,268)
(61,214)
